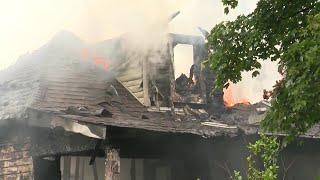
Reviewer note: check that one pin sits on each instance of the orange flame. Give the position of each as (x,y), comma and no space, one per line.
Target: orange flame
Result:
(229,100)
(102,62)
(99,61)
(228,97)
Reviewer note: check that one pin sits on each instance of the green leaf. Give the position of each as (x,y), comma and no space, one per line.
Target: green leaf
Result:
(255,73)
(226,10)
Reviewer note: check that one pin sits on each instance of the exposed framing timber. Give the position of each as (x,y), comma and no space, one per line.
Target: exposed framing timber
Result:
(145,80)
(138,99)
(112,161)
(112,164)
(94,153)
(172,79)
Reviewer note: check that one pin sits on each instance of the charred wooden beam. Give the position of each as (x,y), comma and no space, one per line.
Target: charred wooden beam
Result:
(172,79)
(145,75)
(112,164)
(103,112)
(173,16)
(112,158)
(94,153)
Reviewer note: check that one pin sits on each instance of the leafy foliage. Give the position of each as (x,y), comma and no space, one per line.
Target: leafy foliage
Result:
(278,30)
(297,104)
(267,149)
(229,4)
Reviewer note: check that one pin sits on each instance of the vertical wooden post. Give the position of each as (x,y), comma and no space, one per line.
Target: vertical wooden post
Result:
(198,58)
(77,173)
(82,169)
(145,79)
(66,167)
(112,164)
(58,165)
(172,77)
(95,171)
(133,169)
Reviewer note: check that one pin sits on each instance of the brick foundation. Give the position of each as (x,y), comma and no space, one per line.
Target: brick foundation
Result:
(15,161)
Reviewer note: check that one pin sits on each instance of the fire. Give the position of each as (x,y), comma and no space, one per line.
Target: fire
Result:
(229,100)
(228,97)
(99,61)
(102,62)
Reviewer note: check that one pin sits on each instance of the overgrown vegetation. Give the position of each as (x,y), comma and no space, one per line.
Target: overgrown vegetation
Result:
(278,30)
(285,31)
(267,150)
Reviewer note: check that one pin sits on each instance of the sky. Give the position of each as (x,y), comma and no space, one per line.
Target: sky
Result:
(26,25)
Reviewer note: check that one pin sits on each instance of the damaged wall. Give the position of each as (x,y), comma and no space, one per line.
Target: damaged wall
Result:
(15,160)
(151,72)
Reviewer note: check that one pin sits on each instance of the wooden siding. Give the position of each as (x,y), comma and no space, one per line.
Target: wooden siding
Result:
(131,78)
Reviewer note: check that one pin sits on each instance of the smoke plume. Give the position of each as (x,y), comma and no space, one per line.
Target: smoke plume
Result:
(28,24)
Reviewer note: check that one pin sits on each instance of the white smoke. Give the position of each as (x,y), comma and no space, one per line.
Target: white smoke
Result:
(251,89)
(28,24)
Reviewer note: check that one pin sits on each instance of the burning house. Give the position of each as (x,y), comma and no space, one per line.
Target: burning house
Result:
(68,113)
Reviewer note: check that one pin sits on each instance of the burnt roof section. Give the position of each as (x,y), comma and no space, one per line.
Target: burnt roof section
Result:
(23,84)
(54,79)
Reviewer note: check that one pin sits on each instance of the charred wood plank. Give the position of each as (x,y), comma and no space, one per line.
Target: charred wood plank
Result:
(130,77)
(172,79)
(112,164)
(94,153)
(145,77)
(132,83)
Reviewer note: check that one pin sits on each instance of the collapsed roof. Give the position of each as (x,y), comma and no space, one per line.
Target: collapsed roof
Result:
(45,86)
(53,87)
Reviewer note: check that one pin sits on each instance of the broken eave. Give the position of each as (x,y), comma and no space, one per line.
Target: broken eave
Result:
(154,122)
(38,118)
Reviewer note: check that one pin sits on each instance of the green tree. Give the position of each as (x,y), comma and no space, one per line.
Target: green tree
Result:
(286,31)
(267,150)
